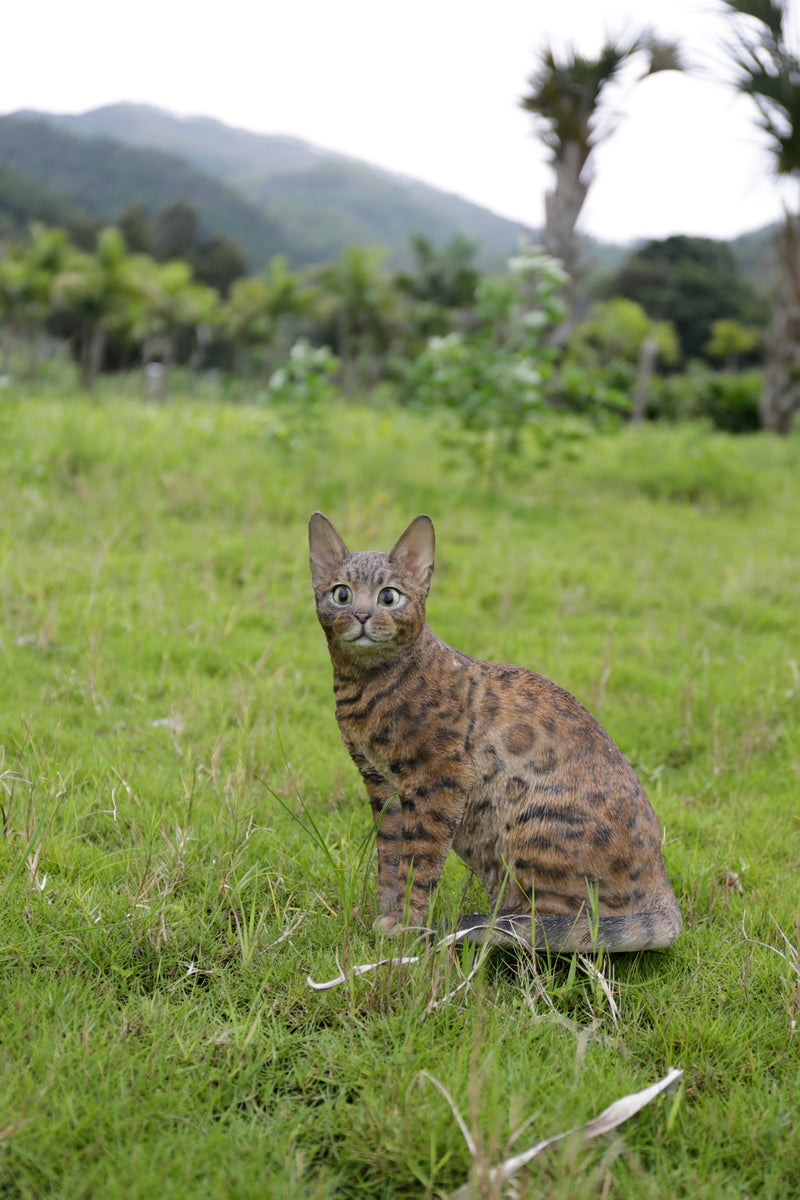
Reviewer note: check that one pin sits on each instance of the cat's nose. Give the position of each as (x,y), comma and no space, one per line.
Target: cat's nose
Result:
(363,617)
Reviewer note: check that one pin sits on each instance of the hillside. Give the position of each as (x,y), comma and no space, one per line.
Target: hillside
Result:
(269,193)
(218,148)
(22,201)
(314,202)
(366,206)
(105,176)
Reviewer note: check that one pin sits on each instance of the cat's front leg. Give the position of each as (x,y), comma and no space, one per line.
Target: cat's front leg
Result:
(431,816)
(388,818)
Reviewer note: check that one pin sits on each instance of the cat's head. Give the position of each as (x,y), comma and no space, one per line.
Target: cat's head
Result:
(371,605)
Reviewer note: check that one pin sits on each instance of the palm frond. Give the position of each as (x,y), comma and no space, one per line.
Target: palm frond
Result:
(770,13)
(769,73)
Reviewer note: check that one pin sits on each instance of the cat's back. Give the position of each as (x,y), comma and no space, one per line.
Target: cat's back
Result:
(555,802)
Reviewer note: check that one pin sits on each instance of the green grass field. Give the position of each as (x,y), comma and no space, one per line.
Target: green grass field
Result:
(166,714)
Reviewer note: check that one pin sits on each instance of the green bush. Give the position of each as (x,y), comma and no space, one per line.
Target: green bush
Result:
(728,401)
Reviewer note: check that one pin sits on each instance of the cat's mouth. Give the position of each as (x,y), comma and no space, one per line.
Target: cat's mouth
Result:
(360,637)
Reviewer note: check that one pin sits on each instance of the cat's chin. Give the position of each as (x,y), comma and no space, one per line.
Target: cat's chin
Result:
(367,650)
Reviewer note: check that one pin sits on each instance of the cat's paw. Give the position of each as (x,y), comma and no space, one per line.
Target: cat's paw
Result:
(388,925)
(392,924)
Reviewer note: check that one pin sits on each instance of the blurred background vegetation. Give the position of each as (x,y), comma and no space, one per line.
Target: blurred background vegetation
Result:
(131,239)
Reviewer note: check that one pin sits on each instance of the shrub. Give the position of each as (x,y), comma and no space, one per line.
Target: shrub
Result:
(728,401)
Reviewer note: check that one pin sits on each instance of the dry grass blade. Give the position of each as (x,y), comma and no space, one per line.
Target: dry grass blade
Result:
(594,972)
(618,1112)
(363,968)
(288,931)
(465,982)
(468,1138)
(359,969)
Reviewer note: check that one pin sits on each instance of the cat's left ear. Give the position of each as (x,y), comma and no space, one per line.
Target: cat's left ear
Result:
(326,548)
(413,551)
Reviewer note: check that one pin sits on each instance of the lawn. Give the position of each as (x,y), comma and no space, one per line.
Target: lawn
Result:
(186,841)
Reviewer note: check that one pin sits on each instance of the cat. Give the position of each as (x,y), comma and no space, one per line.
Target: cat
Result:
(493,761)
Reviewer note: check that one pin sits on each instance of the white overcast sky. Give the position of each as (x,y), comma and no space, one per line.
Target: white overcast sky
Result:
(427,88)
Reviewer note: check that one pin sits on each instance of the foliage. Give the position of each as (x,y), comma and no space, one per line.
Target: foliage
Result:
(768,71)
(437,295)
(446,278)
(300,390)
(730,341)
(305,377)
(260,310)
(173,304)
(730,401)
(357,303)
(27,277)
(690,281)
(617,329)
(177,234)
(101,292)
(165,697)
(496,378)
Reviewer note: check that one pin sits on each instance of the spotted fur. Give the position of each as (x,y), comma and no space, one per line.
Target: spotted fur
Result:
(493,761)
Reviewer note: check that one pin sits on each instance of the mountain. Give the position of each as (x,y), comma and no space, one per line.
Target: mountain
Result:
(22,201)
(217,148)
(272,194)
(755,255)
(311,202)
(104,177)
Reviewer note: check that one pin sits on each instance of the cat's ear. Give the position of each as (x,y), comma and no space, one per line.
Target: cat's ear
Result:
(414,551)
(326,547)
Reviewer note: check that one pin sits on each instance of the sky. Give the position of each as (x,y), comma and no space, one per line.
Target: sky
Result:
(427,88)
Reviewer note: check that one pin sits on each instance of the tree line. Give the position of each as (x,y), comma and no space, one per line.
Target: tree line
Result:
(119,304)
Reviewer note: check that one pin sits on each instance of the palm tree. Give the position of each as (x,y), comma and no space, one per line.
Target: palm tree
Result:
(566,96)
(441,285)
(103,293)
(173,304)
(769,73)
(27,276)
(358,299)
(260,310)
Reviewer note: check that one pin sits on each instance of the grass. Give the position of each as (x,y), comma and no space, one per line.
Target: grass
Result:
(185,839)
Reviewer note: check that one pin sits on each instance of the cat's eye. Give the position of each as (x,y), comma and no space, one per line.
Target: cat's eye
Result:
(388,597)
(342,594)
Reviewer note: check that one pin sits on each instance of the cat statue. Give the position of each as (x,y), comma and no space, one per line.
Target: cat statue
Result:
(493,761)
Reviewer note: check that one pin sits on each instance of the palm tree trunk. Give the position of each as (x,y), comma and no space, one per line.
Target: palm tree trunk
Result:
(780,398)
(562,206)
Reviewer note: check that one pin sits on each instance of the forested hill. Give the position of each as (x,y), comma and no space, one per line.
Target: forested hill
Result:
(271,194)
(22,201)
(103,177)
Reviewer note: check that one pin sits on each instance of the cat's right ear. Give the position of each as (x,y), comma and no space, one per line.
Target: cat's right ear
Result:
(326,547)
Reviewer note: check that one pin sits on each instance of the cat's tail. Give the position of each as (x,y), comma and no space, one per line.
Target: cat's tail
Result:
(653,930)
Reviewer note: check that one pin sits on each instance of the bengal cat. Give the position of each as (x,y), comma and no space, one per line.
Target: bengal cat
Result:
(494,761)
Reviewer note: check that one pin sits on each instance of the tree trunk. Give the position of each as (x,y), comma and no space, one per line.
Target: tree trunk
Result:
(644,373)
(6,339)
(562,208)
(780,397)
(92,356)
